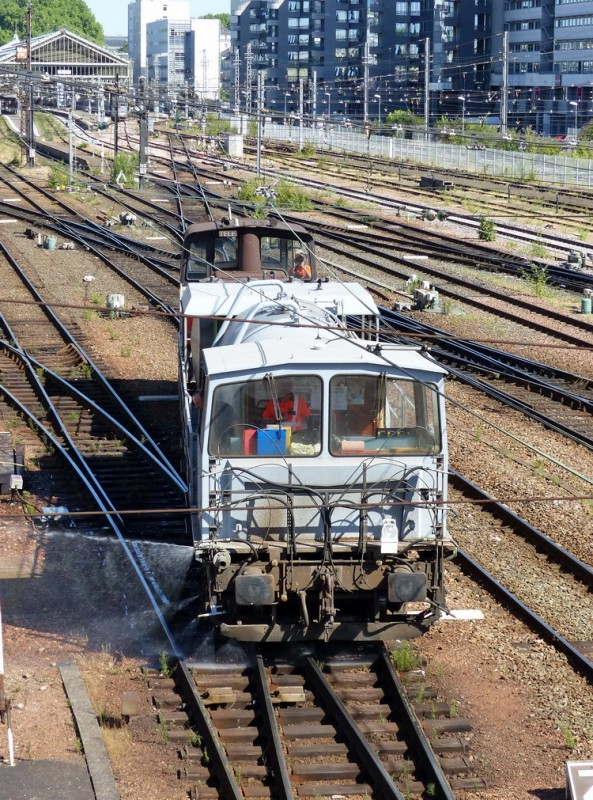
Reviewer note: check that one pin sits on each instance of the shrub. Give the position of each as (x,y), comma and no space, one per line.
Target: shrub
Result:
(487,230)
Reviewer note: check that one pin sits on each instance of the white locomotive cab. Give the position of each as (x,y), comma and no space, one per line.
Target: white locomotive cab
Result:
(316,455)
(286,450)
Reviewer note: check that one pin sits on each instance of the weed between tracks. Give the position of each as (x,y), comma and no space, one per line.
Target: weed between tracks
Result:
(405,658)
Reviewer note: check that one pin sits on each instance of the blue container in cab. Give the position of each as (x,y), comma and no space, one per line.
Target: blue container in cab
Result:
(272,441)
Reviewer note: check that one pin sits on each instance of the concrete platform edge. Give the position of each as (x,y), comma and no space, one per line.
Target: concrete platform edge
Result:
(95,753)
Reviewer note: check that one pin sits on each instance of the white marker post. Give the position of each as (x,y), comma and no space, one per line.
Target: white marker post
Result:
(4,703)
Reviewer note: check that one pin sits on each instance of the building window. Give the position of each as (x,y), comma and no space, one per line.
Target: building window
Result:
(567,67)
(574,44)
(523,25)
(572,22)
(518,5)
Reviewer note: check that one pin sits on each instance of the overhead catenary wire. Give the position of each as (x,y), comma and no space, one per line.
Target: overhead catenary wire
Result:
(504,500)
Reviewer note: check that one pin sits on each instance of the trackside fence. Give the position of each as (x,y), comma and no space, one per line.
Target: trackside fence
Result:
(499,163)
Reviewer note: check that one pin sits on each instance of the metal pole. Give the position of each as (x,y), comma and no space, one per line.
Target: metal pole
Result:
(365,110)
(31,137)
(301,112)
(426,86)
(116,120)
(143,133)
(4,703)
(70,149)
(504,108)
(259,110)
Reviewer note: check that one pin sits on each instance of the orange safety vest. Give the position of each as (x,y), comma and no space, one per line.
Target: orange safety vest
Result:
(302,271)
(294,412)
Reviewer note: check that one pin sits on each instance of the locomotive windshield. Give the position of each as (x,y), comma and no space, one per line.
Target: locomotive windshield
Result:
(271,417)
(377,414)
(219,250)
(368,414)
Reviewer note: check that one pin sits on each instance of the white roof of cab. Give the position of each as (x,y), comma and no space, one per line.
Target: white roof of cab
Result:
(219,297)
(234,361)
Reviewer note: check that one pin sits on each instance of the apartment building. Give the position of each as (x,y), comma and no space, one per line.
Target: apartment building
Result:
(165,52)
(363,59)
(140,14)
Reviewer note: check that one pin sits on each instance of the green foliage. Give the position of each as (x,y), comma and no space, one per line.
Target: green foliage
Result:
(225,19)
(193,739)
(404,118)
(404,657)
(128,164)
(487,230)
(164,666)
(537,278)
(58,177)
(292,197)
(538,249)
(215,126)
(85,371)
(46,16)
(164,731)
(570,740)
(307,151)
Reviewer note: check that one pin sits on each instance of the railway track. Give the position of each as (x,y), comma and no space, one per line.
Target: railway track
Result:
(563,574)
(345,726)
(152,271)
(58,389)
(558,399)
(496,196)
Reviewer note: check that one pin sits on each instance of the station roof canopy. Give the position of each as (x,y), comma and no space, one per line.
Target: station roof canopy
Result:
(65,54)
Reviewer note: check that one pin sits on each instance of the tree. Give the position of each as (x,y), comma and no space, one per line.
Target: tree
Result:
(405,118)
(225,19)
(48,16)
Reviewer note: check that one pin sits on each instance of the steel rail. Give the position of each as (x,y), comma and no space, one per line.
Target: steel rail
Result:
(474,354)
(67,336)
(513,402)
(525,529)
(121,244)
(114,238)
(216,754)
(175,232)
(279,767)
(528,411)
(535,622)
(158,458)
(419,743)
(348,728)
(400,205)
(577,322)
(539,326)
(97,493)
